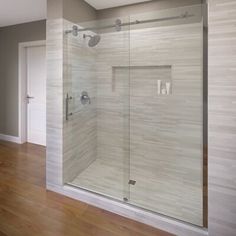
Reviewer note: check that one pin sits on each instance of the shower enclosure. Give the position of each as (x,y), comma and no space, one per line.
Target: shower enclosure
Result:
(134,121)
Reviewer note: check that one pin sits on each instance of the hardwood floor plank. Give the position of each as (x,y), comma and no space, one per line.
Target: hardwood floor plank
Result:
(2,234)
(27,208)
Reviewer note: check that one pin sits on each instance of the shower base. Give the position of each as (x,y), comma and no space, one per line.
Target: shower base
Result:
(102,178)
(150,193)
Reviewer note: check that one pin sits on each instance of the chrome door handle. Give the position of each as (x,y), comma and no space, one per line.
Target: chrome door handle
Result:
(68,98)
(28,98)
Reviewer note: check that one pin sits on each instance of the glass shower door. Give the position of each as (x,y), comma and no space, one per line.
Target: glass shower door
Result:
(135,102)
(98,88)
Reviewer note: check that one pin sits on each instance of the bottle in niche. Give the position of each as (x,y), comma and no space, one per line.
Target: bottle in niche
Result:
(168,88)
(163,91)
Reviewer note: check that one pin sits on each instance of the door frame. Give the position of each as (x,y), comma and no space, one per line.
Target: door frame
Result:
(22,86)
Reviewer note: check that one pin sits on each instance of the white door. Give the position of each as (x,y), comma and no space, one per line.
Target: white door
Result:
(36,95)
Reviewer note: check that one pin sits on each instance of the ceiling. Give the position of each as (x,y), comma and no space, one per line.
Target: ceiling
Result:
(103,4)
(14,12)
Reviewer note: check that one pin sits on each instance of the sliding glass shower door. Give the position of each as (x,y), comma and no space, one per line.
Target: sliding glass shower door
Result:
(98,59)
(134,110)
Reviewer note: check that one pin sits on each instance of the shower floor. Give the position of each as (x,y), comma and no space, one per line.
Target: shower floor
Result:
(150,192)
(102,178)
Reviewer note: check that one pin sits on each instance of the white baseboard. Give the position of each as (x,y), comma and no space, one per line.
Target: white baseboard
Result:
(10,138)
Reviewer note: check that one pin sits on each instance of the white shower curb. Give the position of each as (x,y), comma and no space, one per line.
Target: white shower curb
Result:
(155,220)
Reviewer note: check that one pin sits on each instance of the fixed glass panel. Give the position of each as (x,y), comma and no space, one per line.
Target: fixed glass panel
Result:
(98,59)
(166,113)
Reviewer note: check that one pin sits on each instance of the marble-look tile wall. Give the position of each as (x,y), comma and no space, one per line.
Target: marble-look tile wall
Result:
(79,133)
(222,118)
(54,101)
(165,132)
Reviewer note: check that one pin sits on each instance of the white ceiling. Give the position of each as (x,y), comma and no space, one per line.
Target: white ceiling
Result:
(14,12)
(102,4)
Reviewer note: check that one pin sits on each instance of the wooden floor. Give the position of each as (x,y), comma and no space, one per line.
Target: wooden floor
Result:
(26,208)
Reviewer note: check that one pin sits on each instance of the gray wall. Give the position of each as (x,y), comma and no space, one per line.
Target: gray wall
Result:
(72,10)
(9,38)
(54,9)
(222,118)
(78,11)
(144,7)
(2,86)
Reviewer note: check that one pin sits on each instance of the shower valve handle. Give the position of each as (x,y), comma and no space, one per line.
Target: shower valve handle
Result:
(85,99)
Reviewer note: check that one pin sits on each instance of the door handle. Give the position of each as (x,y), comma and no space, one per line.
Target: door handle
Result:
(68,98)
(28,98)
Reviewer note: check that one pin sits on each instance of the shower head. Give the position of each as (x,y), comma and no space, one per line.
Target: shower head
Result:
(94,40)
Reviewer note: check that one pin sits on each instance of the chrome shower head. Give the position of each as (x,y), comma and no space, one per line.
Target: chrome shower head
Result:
(94,40)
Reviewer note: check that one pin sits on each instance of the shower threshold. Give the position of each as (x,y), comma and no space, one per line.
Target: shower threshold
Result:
(107,178)
(130,211)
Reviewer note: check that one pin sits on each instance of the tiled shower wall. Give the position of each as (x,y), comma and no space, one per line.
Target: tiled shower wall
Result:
(71,145)
(80,134)
(54,102)
(166,139)
(222,117)
(167,131)
(60,134)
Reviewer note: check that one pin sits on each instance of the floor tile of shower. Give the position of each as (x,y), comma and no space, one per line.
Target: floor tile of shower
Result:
(102,178)
(108,178)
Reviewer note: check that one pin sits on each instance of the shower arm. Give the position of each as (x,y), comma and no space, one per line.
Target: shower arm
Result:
(182,16)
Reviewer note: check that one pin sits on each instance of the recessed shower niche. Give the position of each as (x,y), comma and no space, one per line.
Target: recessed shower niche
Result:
(144,80)
(139,139)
